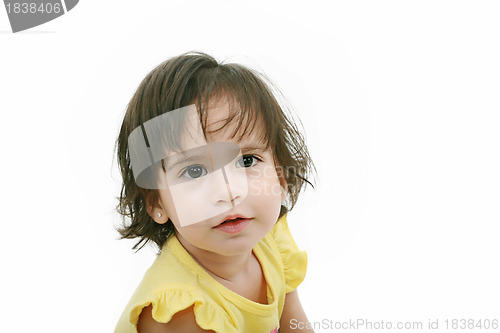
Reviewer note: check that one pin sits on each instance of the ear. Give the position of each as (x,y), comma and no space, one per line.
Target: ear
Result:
(283,182)
(284,188)
(154,206)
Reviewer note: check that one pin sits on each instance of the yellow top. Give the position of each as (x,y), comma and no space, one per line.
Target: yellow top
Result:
(176,281)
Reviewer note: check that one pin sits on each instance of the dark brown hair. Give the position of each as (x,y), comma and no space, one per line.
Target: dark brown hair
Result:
(193,78)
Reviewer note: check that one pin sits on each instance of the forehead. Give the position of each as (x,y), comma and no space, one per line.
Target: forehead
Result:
(223,120)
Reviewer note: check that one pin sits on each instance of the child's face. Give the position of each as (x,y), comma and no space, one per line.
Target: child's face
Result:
(243,184)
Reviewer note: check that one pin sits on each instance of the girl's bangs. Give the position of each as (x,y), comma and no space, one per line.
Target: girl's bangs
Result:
(245,111)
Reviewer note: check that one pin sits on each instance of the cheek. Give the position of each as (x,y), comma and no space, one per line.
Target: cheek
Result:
(168,205)
(264,183)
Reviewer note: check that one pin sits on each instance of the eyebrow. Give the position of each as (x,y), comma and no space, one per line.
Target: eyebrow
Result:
(180,159)
(252,148)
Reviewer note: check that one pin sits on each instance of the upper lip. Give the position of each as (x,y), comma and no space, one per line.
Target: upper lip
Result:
(232,217)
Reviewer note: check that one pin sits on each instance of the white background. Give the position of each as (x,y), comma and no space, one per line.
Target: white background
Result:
(400,104)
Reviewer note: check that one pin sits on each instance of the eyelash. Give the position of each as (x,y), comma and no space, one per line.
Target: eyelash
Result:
(186,169)
(250,155)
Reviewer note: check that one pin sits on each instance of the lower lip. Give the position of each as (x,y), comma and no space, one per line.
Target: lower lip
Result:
(233,227)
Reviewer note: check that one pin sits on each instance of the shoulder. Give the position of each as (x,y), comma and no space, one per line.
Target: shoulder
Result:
(182,321)
(169,287)
(283,238)
(294,260)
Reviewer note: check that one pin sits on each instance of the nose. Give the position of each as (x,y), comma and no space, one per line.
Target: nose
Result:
(230,187)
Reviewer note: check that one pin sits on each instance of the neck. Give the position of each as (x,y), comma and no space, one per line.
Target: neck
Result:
(222,267)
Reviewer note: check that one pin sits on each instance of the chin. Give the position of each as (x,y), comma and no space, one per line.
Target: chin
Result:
(236,247)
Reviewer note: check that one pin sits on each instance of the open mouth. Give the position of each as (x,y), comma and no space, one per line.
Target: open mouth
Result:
(233,224)
(233,220)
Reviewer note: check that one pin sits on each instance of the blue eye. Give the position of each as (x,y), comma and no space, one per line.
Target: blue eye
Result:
(194,171)
(247,161)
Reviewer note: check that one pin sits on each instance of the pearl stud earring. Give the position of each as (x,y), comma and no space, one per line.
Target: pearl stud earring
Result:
(159,214)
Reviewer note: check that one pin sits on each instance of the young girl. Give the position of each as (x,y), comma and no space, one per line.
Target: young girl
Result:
(211,164)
